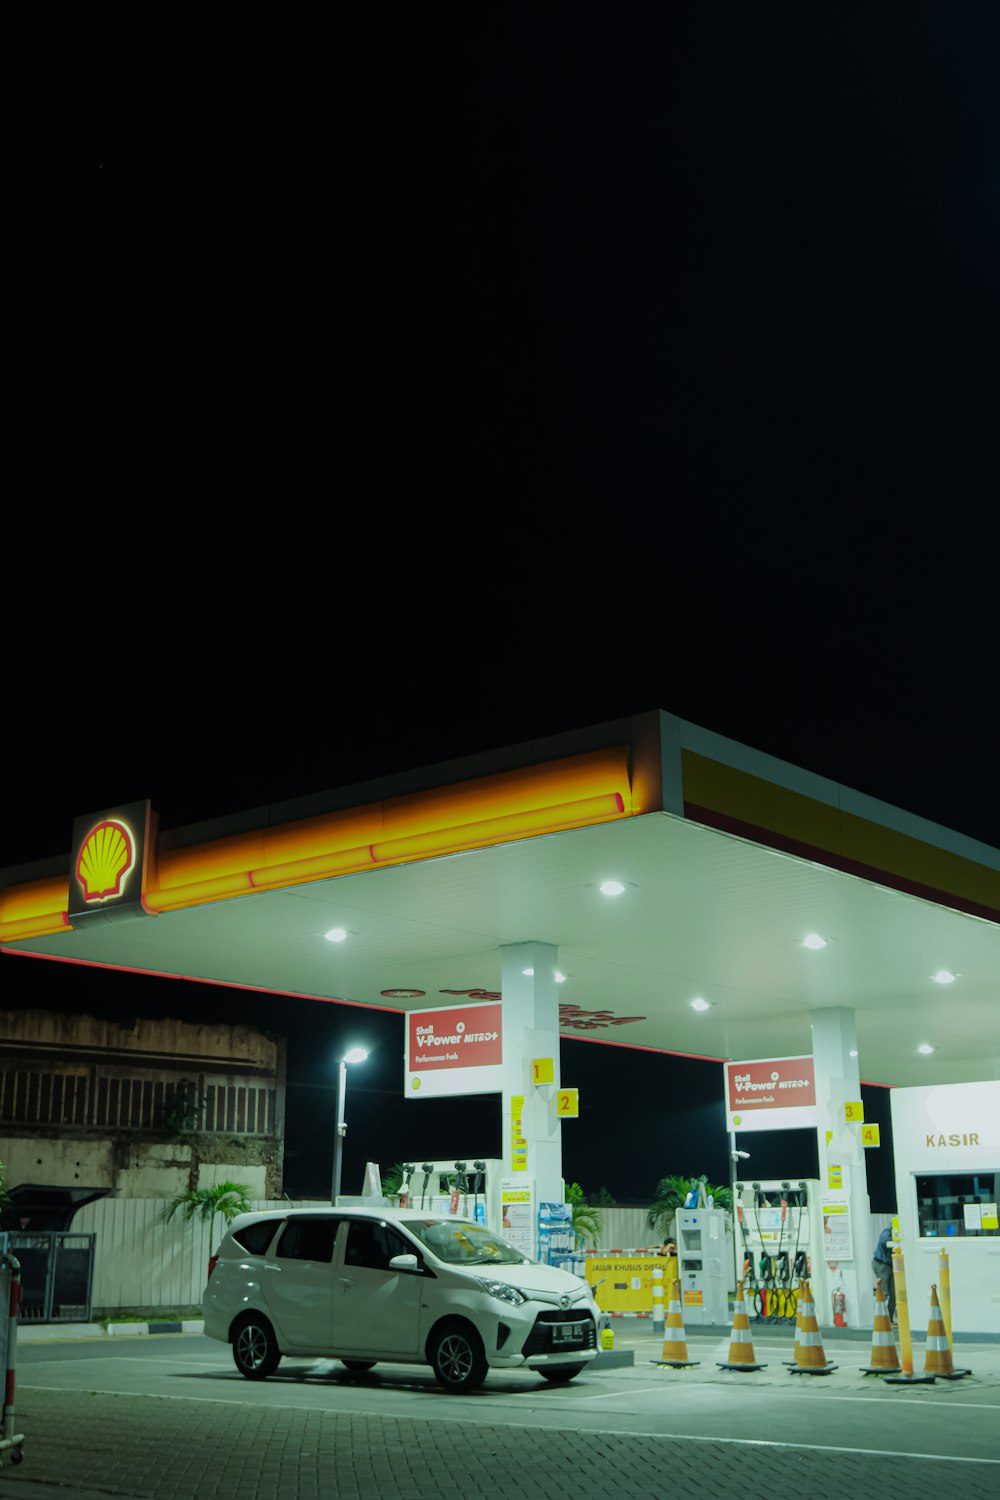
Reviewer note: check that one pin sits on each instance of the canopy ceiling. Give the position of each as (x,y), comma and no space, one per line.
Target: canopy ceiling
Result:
(706,913)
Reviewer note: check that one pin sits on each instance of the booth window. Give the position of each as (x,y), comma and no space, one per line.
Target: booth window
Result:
(957,1204)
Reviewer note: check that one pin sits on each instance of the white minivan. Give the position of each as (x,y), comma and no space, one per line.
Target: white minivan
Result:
(368,1284)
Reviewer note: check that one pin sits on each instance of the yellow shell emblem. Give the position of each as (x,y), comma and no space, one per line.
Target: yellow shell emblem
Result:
(106,859)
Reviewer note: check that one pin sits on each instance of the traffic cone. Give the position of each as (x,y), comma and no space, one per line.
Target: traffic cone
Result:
(809,1356)
(741,1355)
(938,1360)
(675,1349)
(885,1359)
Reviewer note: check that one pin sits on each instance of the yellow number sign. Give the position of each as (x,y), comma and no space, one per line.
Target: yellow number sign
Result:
(854,1112)
(870,1135)
(568,1102)
(543,1070)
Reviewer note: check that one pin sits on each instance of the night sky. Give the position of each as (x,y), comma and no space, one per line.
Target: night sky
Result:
(397,384)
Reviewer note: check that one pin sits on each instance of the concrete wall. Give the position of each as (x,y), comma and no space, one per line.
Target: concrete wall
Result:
(147,1109)
(65,1033)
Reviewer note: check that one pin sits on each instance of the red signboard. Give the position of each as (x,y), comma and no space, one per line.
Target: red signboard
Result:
(776,1093)
(467,1036)
(456,1050)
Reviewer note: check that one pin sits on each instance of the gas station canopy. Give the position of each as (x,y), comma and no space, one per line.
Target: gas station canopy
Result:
(746,883)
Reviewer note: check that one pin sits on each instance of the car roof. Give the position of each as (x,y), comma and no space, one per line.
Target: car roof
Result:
(399,1215)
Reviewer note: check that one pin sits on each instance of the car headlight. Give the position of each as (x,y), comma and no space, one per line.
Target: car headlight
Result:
(502,1290)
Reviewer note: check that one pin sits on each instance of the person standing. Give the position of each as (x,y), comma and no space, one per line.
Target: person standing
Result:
(882,1266)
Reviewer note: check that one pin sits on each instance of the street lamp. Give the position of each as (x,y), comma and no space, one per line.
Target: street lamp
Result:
(355,1055)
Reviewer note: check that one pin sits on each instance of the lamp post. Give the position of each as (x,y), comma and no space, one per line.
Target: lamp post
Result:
(355,1055)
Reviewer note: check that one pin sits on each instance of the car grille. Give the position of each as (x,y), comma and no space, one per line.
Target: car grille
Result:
(539,1340)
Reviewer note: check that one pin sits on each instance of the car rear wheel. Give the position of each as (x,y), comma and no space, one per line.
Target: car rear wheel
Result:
(255,1349)
(358,1366)
(458,1358)
(560,1373)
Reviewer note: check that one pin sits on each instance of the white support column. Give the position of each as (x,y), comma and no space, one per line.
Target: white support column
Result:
(835,1059)
(530,1031)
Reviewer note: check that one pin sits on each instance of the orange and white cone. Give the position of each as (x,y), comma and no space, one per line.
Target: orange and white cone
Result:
(885,1356)
(741,1355)
(938,1360)
(675,1349)
(809,1356)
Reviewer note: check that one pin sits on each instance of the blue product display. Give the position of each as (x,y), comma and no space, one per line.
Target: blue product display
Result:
(556,1236)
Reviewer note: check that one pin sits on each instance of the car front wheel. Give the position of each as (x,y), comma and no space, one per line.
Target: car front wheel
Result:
(458,1358)
(560,1373)
(255,1349)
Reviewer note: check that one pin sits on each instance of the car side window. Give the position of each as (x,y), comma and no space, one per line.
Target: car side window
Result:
(307,1239)
(255,1238)
(372,1244)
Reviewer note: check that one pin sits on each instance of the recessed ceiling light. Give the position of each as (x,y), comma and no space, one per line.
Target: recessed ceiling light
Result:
(560,978)
(853,1052)
(945,976)
(611,887)
(813,940)
(529,972)
(335,935)
(925,1048)
(700,1004)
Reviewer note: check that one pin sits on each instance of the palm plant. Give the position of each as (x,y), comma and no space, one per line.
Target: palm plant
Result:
(587,1220)
(671,1193)
(392,1180)
(226,1199)
(668,1198)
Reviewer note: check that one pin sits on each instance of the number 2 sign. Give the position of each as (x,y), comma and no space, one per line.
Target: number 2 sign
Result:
(568,1102)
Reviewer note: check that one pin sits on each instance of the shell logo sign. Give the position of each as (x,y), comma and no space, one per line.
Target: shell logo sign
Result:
(108,864)
(106,860)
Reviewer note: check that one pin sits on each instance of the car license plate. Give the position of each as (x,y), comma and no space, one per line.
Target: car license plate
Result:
(567,1333)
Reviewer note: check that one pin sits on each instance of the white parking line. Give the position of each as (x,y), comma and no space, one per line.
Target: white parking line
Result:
(580,1394)
(697,1437)
(925,1401)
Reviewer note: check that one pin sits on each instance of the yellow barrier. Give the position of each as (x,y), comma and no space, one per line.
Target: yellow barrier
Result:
(623,1283)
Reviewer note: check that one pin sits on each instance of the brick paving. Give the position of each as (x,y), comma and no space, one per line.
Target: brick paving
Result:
(83,1446)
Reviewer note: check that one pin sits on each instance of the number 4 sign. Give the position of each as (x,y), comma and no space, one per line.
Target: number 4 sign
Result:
(568,1102)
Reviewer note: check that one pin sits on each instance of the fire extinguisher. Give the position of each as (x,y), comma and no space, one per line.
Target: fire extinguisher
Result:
(839,1308)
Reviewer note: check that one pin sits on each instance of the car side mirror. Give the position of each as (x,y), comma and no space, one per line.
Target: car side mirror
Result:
(404,1263)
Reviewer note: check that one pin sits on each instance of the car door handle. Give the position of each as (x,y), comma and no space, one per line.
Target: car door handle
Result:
(346,1280)
(268,1266)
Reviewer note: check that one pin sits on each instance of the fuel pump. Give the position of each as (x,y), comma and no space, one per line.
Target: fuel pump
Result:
(404,1187)
(783,1232)
(749,1272)
(467,1187)
(701,1257)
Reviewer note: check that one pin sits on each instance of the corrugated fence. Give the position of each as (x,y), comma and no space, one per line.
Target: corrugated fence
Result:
(141,1262)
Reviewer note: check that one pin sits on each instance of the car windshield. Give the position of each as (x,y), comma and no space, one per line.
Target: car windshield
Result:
(460,1243)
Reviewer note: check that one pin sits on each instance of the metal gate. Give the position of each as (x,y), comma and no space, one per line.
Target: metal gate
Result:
(57,1275)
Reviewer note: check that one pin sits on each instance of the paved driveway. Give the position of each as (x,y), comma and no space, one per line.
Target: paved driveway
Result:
(168,1416)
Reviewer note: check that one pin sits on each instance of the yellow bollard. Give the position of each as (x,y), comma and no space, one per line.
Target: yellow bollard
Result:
(944,1282)
(945,1305)
(906,1375)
